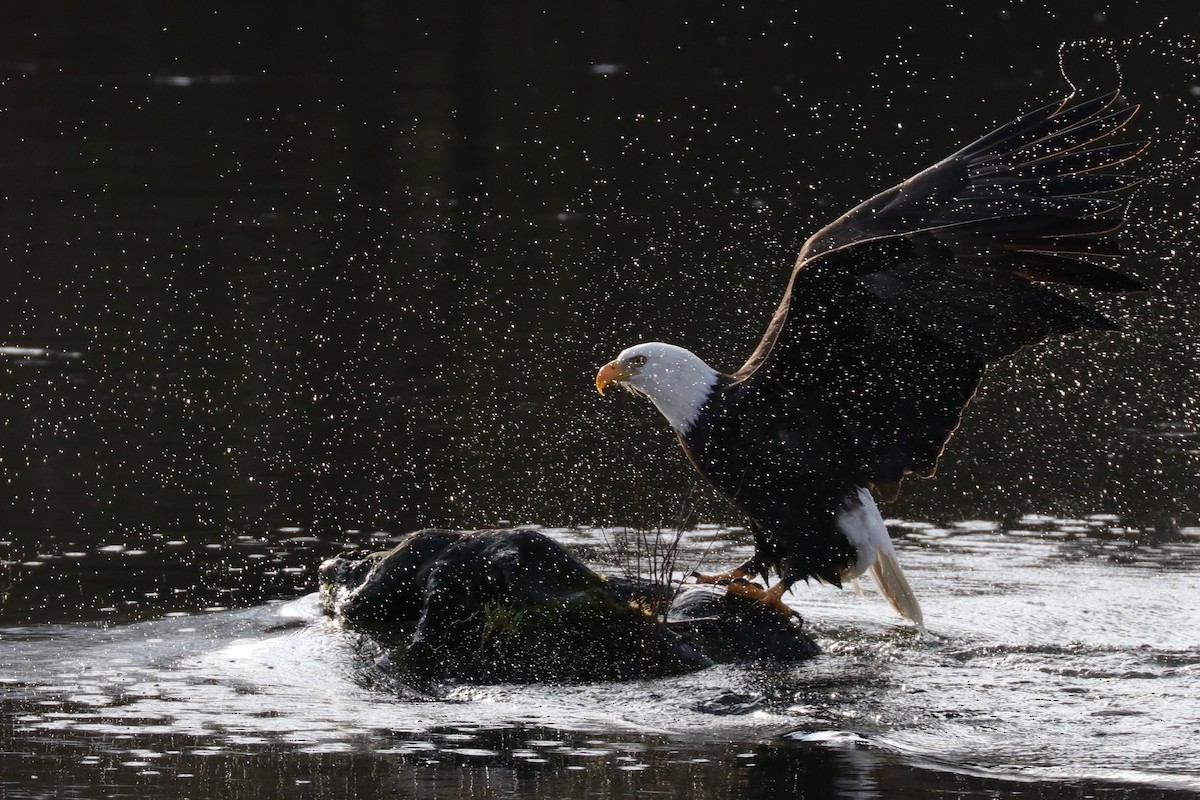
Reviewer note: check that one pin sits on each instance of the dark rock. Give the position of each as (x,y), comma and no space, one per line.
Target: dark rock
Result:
(515,606)
(727,627)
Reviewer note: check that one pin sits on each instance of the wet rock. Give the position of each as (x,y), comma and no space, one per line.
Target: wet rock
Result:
(515,606)
(729,628)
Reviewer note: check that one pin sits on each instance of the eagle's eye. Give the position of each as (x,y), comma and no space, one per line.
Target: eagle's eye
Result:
(637,362)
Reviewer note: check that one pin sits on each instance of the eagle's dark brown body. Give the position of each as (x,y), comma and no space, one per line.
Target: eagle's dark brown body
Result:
(891,316)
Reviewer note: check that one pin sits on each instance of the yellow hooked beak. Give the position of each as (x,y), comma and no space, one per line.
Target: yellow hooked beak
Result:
(610,373)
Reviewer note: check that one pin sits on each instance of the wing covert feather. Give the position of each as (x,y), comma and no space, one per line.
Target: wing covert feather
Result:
(894,311)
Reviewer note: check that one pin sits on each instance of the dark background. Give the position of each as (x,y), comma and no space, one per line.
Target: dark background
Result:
(293,273)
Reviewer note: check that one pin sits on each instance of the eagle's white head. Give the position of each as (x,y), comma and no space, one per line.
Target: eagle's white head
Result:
(676,380)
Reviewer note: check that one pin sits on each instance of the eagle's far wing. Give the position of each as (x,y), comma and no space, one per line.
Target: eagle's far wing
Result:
(894,310)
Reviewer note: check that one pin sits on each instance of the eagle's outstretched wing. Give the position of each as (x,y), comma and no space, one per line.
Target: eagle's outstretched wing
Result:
(894,310)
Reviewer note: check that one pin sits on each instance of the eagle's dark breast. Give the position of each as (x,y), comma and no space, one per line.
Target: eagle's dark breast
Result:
(783,463)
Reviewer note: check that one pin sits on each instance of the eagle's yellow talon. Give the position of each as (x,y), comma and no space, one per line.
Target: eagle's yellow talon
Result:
(772,597)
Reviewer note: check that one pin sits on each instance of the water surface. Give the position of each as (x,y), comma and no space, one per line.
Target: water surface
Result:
(1064,651)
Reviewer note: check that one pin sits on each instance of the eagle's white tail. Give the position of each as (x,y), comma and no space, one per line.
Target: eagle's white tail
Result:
(890,578)
(862,524)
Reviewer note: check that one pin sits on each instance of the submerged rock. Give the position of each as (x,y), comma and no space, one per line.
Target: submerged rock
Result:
(516,606)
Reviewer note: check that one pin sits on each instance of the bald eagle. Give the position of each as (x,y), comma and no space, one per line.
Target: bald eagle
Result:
(891,316)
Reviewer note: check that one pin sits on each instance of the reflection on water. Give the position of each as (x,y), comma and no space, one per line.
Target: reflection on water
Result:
(1065,650)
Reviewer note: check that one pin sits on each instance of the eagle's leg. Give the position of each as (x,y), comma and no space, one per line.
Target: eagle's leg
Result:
(772,597)
(747,569)
(737,573)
